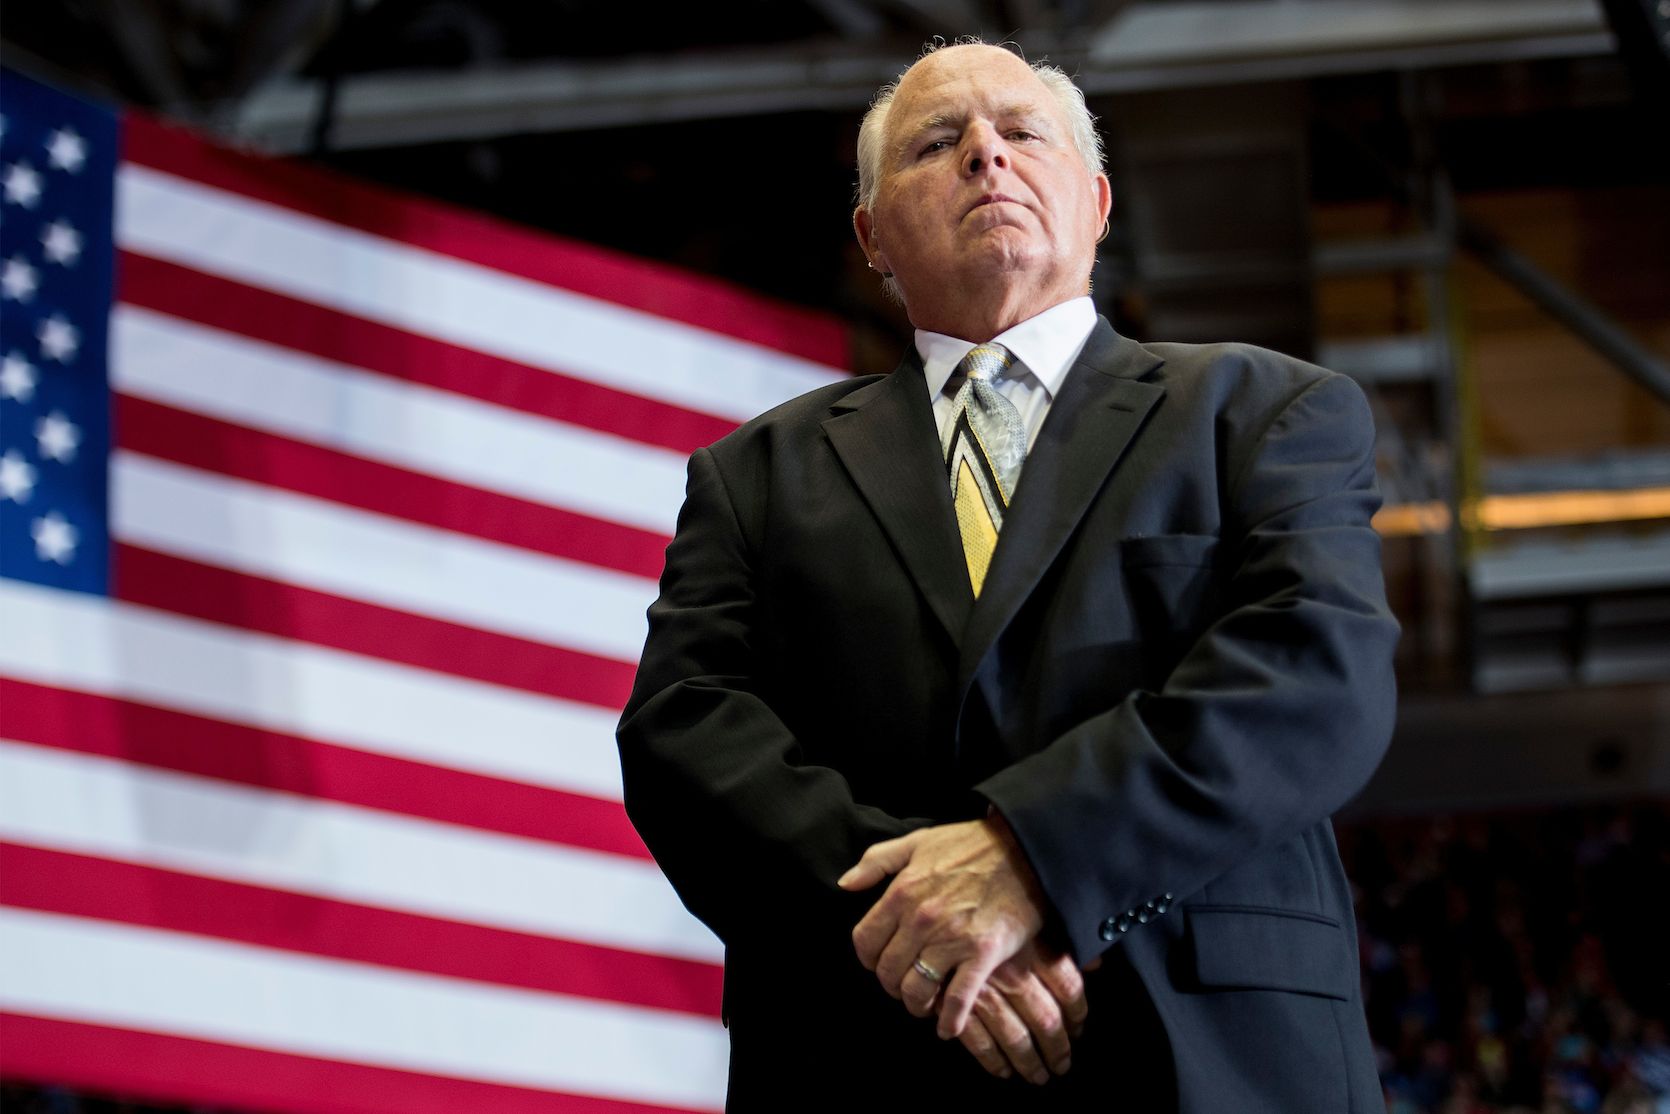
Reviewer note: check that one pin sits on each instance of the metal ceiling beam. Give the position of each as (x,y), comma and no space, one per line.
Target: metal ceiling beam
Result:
(141,34)
(1591,324)
(854,19)
(1195,31)
(161,46)
(398,110)
(1152,45)
(937,15)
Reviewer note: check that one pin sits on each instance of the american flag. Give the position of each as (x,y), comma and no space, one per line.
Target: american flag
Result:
(328,518)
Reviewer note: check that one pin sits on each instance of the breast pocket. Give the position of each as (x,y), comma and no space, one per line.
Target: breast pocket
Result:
(1188,551)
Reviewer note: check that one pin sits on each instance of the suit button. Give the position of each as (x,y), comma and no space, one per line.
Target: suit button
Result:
(1122,923)
(1108,930)
(1162,903)
(1143,915)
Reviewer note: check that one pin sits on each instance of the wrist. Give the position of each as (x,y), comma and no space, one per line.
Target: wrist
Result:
(1005,836)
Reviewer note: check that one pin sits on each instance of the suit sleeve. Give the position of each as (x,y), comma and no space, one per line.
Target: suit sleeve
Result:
(1273,718)
(748,833)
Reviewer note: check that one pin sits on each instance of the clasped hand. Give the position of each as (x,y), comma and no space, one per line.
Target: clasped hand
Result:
(965,904)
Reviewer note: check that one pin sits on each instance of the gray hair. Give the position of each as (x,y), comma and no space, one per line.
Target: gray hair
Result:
(1082,122)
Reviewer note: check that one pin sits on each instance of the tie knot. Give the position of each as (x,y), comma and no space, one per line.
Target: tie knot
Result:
(986,362)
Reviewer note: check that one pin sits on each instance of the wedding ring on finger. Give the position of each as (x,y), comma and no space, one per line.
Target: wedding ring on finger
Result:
(925,971)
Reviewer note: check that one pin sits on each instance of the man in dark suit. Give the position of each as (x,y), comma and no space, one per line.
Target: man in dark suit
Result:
(1073,643)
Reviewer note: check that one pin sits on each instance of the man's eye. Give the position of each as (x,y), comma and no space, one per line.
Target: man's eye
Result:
(934,145)
(1021,134)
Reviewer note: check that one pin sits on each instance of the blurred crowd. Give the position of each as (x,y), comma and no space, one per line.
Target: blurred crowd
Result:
(1512,964)
(1518,964)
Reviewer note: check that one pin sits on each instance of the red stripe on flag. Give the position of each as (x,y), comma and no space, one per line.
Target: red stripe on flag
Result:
(85,886)
(624,280)
(190,744)
(249,602)
(165,287)
(169,1069)
(248,454)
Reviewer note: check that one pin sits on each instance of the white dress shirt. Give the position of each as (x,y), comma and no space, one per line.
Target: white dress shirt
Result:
(1044,348)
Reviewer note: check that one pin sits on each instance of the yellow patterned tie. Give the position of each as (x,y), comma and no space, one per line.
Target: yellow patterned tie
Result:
(984,450)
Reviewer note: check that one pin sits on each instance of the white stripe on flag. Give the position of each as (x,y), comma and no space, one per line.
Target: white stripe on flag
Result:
(149,979)
(192,367)
(96,645)
(466,304)
(102,806)
(348,552)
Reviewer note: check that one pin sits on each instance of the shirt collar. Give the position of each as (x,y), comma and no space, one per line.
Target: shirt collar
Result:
(1046,345)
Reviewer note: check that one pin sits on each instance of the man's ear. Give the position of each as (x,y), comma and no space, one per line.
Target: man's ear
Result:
(864,227)
(1104,198)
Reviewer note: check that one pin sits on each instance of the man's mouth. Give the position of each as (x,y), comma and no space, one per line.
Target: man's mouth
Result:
(990,199)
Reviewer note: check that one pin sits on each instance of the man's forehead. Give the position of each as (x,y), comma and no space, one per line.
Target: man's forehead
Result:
(975,63)
(949,82)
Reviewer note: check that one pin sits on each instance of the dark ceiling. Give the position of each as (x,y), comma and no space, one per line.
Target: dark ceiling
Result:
(744,168)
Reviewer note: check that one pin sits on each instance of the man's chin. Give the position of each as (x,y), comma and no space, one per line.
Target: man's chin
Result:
(1005,248)
(998,219)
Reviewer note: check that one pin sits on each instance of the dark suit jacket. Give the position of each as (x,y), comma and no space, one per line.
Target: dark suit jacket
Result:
(1179,667)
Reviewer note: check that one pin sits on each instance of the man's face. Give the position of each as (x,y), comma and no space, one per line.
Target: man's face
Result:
(980,177)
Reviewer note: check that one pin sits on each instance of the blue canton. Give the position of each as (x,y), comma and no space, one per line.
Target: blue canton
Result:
(57,177)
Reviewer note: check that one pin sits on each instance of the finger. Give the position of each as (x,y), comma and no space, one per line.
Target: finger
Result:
(879,861)
(918,992)
(977,1040)
(1012,1036)
(963,991)
(1065,982)
(897,958)
(874,931)
(1041,1014)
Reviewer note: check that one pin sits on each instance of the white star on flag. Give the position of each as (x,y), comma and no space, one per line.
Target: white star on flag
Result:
(17,377)
(59,339)
(57,437)
(18,280)
(17,477)
(22,185)
(55,539)
(61,243)
(66,150)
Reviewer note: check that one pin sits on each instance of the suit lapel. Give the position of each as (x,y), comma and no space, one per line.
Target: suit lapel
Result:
(1101,407)
(884,435)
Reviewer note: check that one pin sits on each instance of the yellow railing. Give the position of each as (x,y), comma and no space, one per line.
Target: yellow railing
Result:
(1527,511)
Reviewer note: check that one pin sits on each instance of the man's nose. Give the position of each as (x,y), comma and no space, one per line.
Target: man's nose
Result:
(985,150)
